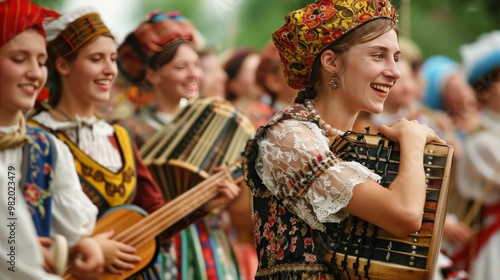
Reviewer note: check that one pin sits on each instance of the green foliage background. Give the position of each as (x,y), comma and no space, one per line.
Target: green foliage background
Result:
(438,26)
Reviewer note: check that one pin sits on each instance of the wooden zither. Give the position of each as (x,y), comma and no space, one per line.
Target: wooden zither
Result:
(356,249)
(207,133)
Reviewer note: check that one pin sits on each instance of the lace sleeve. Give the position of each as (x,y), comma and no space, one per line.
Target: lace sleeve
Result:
(296,165)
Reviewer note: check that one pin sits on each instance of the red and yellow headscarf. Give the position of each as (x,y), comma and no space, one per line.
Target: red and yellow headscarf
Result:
(308,31)
(17,16)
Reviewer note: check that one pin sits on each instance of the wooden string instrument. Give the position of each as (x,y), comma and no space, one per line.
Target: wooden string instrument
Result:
(356,249)
(134,229)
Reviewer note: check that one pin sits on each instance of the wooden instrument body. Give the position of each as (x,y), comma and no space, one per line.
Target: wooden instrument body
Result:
(134,227)
(362,250)
(120,219)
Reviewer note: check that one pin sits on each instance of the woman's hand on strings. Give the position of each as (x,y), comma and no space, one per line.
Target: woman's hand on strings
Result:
(228,191)
(118,256)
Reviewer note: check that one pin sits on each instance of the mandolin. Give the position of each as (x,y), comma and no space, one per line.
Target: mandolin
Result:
(136,229)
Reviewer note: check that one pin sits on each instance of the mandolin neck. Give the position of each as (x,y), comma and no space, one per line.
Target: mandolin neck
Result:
(172,212)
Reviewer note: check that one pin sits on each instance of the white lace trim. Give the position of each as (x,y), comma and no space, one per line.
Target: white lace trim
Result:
(93,136)
(287,148)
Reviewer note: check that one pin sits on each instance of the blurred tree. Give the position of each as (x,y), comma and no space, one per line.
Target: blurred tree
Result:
(51,4)
(438,26)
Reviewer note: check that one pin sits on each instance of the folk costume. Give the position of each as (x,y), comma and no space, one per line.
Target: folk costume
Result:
(109,166)
(41,196)
(201,251)
(478,172)
(297,182)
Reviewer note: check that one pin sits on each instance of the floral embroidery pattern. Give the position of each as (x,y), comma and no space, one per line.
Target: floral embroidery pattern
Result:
(298,185)
(39,184)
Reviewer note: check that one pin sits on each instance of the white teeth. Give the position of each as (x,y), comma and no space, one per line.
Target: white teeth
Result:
(103,82)
(382,88)
(28,87)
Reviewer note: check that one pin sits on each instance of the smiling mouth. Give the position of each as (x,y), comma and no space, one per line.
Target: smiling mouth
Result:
(103,82)
(28,87)
(192,86)
(382,88)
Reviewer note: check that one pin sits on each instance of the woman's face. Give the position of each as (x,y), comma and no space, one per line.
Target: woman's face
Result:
(180,78)
(244,84)
(91,75)
(214,78)
(22,71)
(370,73)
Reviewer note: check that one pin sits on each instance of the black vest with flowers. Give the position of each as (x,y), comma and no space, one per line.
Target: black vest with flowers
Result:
(285,244)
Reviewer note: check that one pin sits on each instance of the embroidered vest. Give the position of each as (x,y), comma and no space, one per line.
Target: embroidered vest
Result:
(106,189)
(39,157)
(284,242)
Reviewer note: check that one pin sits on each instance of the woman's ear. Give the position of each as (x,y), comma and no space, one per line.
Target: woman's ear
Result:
(329,61)
(152,77)
(62,66)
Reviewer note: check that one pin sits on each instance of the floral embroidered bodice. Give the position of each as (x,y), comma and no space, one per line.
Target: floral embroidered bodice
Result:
(298,186)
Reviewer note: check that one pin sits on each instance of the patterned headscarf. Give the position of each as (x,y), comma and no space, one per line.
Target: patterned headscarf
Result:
(73,29)
(17,16)
(150,37)
(308,31)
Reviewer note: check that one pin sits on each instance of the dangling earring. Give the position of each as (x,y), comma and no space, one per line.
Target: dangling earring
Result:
(334,82)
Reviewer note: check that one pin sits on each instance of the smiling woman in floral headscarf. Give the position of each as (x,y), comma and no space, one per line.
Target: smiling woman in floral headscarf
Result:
(342,55)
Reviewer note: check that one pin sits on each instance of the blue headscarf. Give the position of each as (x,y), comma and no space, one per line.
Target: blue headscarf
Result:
(436,70)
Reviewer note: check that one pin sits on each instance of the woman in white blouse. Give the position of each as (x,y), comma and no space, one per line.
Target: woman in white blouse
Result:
(343,57)
(41,194)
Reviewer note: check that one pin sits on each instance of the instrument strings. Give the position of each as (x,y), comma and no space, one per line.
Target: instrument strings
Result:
(138,234)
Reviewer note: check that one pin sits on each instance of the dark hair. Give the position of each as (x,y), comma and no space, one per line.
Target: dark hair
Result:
(233,66)
(359,35)
(483,85)
(161,58)
(54,78)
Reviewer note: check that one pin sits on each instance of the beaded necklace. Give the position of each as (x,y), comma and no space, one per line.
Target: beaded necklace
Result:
(326,128)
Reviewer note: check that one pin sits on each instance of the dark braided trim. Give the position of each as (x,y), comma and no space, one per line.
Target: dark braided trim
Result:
(303,180)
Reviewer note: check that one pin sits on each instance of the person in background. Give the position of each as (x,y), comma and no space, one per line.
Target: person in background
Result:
(41,196)
(269,77)
(447,90)
(82,68)
(213,80)
(342,65)
(160,57)
(479,169)
(241,88)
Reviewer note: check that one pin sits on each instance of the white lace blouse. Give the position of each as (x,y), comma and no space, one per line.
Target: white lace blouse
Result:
(289,147)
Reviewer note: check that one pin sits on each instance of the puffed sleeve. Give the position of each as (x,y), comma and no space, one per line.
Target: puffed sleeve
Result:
(297,166)
(74,215)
